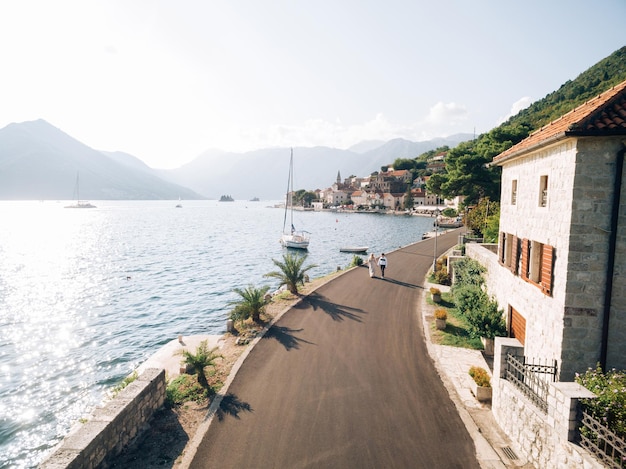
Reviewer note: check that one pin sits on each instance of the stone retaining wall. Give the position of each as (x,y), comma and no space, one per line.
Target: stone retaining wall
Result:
(545,439)
(112,426)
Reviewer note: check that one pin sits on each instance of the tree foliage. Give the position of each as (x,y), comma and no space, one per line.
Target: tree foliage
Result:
(467,172)
(200,360)
(250,304)
(484,219)
(290,273)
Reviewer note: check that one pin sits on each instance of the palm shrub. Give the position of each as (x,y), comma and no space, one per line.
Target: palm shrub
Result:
(290,273)
(251,303)
(200,360)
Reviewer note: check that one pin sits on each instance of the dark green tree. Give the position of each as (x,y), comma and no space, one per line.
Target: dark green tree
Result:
(408,198)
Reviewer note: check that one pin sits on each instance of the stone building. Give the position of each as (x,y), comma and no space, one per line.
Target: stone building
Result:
(559,271)
(563,237)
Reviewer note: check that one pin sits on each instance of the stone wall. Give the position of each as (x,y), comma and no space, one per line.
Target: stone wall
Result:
(544,439)
(112,426)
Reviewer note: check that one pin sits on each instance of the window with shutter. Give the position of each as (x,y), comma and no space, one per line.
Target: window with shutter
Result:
(514,254)
(518,326)
(525,253)
(546,269)
(501,243)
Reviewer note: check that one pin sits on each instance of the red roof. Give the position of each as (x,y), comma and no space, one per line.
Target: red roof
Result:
(603,115)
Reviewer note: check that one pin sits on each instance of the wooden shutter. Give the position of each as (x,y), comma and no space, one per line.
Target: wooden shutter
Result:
(514,254)
(518,326)
(525,260)
(501,248)
(547,262)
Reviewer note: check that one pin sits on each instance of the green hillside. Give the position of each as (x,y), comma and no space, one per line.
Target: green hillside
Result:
(466,172)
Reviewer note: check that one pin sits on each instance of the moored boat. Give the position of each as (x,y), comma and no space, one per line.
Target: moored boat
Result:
(293,238)
(354,249)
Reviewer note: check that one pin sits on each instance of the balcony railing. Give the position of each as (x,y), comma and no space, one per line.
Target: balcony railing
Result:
(531,378)
(605,445)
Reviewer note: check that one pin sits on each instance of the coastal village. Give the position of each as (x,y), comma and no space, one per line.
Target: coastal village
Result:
(388,190)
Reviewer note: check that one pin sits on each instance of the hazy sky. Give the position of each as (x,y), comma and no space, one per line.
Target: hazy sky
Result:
(166,80)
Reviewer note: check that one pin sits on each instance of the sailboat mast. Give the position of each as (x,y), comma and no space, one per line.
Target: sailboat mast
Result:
(287,193)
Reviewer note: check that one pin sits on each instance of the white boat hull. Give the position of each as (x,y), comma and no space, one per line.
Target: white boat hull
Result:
(295,241)
(354,249)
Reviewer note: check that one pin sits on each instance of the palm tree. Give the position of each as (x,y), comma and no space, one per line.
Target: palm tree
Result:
(291,271)
(250,304)
(200,360)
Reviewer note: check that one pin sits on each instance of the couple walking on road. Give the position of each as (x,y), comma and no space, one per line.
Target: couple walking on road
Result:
(382,263)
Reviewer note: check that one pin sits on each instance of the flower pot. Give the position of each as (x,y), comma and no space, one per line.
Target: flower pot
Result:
(440,324)
(436,297)
(482,393)
(488,345)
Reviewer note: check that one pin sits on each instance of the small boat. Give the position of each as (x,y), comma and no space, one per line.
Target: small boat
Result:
(354,249)
(292,238)
(78,203)
(179,204)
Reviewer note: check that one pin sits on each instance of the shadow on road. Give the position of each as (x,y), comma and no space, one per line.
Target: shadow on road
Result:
(231,405)
(286,337)
(335,311)
(402,284)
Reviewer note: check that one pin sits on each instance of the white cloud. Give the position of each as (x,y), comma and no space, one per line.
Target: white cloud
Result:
(516,107)
(448,114)
(442,120)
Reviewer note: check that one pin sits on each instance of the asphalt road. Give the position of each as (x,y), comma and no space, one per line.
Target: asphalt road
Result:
(344,380)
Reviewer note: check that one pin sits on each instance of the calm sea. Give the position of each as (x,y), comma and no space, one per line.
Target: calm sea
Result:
(86,295)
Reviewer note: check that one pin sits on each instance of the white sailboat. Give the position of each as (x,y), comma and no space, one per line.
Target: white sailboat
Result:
(291,238)
(78,203)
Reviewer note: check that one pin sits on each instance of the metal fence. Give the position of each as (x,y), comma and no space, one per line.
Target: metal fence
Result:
(605,445)
(532,378)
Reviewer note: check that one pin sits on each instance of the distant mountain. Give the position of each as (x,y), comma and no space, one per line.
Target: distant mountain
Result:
(39,161)
(263,173)
(366,145)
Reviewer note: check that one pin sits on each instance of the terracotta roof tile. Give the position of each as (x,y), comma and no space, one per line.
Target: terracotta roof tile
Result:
(601,116)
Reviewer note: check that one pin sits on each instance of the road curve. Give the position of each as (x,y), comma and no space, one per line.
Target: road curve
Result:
(344,380)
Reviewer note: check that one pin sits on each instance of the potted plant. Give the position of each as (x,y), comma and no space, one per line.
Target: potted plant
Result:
(482,383)
(436,294)
(440,318)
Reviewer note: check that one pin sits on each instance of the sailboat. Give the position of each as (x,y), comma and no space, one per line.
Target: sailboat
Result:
(292,238)
(179,204)
(78,203)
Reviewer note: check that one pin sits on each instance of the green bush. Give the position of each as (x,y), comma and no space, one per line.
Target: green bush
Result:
(467,272)
(610,405)
(468,298)
(183,389)
(356,261)
(485,320)
(441,276)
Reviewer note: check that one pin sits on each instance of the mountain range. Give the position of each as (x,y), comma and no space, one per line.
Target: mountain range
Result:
(41,162)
